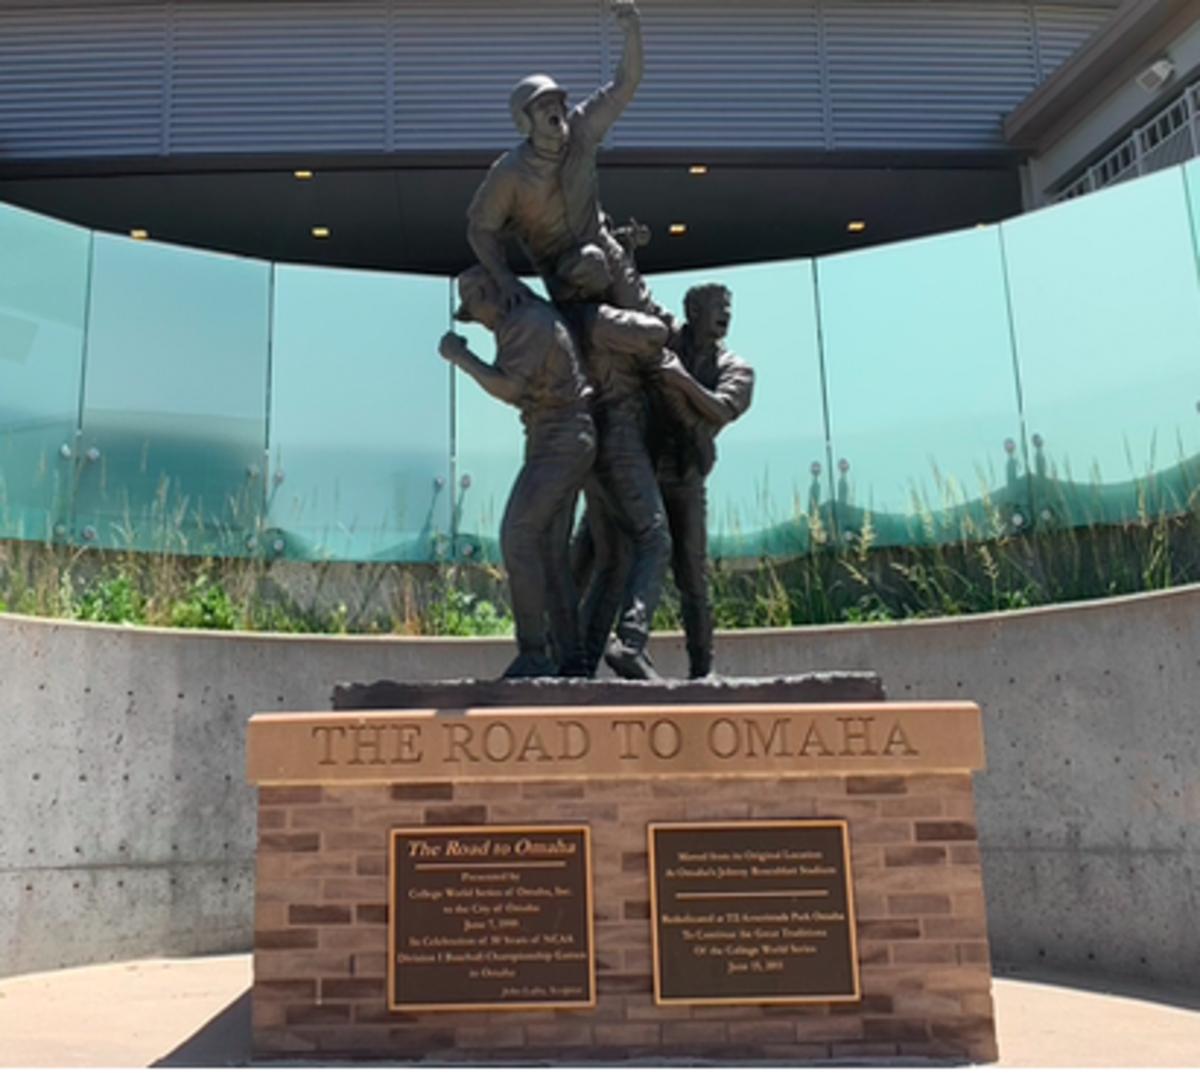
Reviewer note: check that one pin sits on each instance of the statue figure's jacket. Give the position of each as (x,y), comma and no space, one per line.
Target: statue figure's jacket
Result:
(551,203)
(535,347)
(621,353)
(683,441)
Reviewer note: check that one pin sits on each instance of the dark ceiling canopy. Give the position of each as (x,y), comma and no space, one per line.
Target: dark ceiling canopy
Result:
(405,215)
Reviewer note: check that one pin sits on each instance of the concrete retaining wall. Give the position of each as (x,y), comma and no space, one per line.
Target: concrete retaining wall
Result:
(128,829)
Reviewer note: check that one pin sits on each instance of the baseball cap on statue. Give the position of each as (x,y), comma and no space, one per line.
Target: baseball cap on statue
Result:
(475,281)
(526,92)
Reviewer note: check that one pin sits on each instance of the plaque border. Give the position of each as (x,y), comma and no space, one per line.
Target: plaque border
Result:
(472,829)
(739,1001)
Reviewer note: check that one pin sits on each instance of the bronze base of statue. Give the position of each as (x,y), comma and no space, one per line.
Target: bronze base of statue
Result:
(814,688)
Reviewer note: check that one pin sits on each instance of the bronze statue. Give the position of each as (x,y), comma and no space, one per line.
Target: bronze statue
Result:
(584,376)
(545,190)
(703,388)
(537,369)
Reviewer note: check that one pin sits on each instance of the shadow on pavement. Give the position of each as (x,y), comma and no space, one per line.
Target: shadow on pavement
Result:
(223,1041)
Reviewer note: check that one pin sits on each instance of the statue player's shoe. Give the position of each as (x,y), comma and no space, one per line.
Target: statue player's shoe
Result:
(628,662)
(531,666)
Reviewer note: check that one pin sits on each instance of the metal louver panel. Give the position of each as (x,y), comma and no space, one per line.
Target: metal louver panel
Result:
(727,75)
(1063,27)
(94,78)
(81,80)
(269,77)
(935,74)
(455,64)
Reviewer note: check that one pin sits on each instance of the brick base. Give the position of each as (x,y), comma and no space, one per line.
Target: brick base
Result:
(320,959)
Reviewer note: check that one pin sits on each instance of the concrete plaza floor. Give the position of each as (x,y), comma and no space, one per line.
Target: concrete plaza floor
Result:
(196,1012)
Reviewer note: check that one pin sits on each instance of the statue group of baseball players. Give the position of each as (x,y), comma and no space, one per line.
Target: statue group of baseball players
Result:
(619,399)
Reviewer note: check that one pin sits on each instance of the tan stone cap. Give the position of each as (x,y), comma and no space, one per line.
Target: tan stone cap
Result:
(421,745)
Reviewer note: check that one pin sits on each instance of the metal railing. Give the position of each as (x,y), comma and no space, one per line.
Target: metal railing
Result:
(1170,136)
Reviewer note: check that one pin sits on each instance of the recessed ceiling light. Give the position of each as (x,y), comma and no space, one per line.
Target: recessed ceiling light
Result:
(139,233)
(857,225)
(678,229)
(320,233)
(698,169)
(302,173)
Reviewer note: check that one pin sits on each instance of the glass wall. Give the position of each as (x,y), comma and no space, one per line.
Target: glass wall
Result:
(174,400)
(43,298)
(1039,373)
(360,416)
(1106,318)
(924,420)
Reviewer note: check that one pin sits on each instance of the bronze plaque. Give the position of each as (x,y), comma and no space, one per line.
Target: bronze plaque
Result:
(753,912)
(491,917)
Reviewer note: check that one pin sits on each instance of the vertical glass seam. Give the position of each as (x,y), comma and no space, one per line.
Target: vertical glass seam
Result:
(825,413)
(89,276)
(71,519)
(453,484)
(268,396)
(1191,214)
(1018,385)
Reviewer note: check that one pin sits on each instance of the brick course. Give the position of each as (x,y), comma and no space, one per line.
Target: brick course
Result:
(321,915)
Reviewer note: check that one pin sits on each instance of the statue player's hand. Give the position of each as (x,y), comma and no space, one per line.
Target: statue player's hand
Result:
(623,10)
(671,364)
(639,233)
(453,347)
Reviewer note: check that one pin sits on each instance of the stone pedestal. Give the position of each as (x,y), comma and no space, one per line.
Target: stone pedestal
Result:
(333,785)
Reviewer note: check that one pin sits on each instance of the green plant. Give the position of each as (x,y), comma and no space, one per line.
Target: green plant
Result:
(458,613)
(843,576)
(112,599)
(207,605)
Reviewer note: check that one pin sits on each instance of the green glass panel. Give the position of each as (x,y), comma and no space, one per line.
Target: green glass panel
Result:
(174,418)
(1106,316)
(360,416)
(762,495)
(43,294)
(923,410)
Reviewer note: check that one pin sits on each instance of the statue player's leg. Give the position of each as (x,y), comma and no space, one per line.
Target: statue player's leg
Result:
(687,512)
(611,556)
(522,530)
(562,456)
(632,484)
(562,596)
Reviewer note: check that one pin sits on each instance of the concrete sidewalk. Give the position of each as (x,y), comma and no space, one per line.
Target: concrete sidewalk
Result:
(196,1012)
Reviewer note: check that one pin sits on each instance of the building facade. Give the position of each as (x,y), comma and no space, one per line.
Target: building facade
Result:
(182,118)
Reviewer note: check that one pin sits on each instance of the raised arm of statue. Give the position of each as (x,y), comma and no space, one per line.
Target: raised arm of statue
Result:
(602,109)
(629,71)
